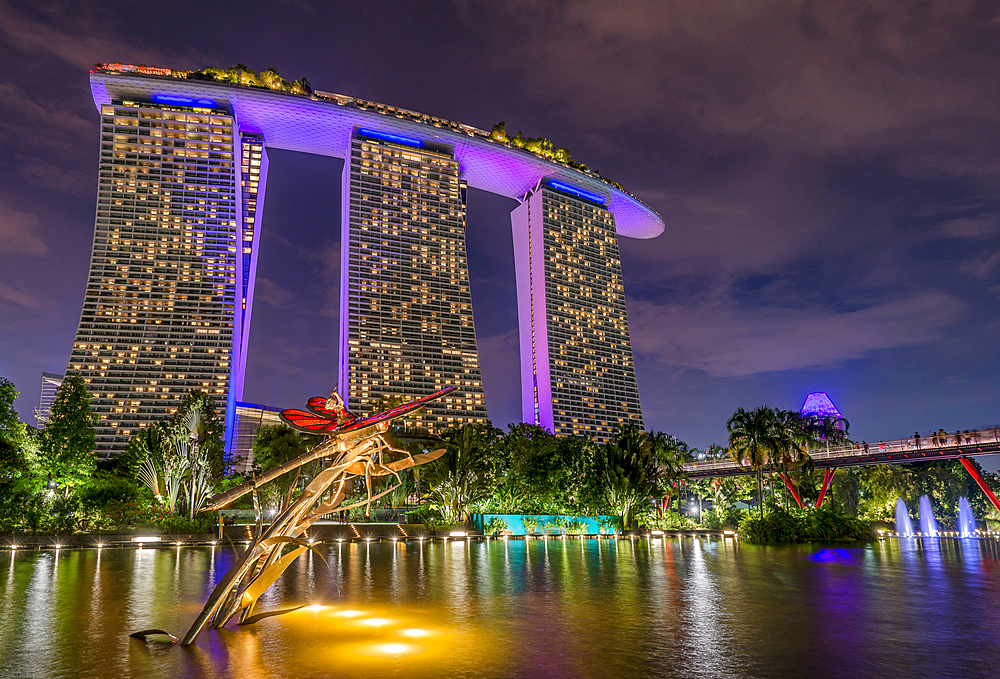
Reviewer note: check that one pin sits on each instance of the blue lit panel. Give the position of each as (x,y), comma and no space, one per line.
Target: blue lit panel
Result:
(579,193)
(183,101)
(394,138)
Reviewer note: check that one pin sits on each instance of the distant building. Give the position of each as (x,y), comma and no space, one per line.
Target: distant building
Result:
(249,417)
(577,371)
(818,403)
(50,387)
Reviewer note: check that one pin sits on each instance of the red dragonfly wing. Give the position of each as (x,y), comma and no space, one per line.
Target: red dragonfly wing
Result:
(317,423)
(310,423)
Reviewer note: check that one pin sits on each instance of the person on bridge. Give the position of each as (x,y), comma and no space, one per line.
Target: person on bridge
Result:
(934,438)
(865,445)
(916,439)
(943,437)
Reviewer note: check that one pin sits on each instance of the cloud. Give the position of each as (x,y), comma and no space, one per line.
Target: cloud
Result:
(271,293)
(725,340)
(812,76)
(969,227)
(25,299)
(980,266)
(17,233)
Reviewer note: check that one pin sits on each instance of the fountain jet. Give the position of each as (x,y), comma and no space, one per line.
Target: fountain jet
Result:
(904,526)
(966,520)
(928,524)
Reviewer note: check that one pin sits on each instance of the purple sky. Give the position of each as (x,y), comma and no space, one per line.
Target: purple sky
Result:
(828,174)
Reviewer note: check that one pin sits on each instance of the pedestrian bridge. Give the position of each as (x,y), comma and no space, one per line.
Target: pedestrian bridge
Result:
(917,449)
(985,442)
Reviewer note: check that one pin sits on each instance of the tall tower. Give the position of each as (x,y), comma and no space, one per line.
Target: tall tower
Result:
(159,315)
(406,306)
(577,373)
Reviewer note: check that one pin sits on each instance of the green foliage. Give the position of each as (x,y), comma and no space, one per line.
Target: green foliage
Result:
(68,440)
(627,472)
(777,524)
(104,490)
(183,525)
(537,145)
(241,74)
(531,525)
(274,445)
(495,525)
(463,476)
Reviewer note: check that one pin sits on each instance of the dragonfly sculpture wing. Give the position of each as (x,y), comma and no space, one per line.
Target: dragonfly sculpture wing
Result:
(323,421)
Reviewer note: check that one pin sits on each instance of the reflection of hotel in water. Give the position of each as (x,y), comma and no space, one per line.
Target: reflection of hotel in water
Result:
(169,297)
(577,373)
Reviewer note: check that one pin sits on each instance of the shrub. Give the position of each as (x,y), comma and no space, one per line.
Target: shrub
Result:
(778,524)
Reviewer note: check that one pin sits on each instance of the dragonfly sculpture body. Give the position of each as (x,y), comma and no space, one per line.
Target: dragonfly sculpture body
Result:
(355,447)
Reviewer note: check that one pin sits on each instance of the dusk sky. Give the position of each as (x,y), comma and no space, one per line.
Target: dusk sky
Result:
(829,176)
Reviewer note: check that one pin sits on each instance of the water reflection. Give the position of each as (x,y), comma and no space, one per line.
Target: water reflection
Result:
(546,607)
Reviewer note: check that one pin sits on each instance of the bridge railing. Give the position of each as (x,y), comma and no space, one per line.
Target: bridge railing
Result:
(988,436)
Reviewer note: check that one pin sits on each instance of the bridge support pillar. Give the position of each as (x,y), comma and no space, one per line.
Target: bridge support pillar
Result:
(978,479)
(788,482)
(827,477)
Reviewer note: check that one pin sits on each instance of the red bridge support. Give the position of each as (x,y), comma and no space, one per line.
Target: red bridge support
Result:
(788,482)
(978,479)
(827,477)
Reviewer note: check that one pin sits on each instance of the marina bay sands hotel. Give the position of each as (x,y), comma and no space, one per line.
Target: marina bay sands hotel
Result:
(182,178)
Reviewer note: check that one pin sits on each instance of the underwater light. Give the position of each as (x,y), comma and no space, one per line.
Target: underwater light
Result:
(394,648)
(414,632)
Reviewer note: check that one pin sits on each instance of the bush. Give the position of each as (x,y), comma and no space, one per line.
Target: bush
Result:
(778,524)
(104,490)
(182,524)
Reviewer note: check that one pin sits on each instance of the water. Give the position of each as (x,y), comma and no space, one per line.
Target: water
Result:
(966,520)
(928,524)
(903,524)
(552,608)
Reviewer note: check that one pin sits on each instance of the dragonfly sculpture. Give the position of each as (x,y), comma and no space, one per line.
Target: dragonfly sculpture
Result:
(355,447)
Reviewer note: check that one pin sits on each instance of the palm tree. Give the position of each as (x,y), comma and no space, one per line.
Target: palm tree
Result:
(628,473)
(753,440)
(791,443)
(459,478)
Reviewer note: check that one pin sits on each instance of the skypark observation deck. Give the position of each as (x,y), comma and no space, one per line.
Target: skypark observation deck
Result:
(324,124)
(985,442)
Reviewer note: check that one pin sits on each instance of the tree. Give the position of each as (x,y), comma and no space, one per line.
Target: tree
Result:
(213,429)
(670,453)
(274,445)
(753,441)
(68,439)
(461,477)
(628,473)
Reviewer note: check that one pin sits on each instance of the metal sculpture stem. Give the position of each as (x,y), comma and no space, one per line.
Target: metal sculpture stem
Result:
(357,454)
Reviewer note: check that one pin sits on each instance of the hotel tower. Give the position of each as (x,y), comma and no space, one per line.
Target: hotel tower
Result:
(577,373)
(406,316)
(169,298)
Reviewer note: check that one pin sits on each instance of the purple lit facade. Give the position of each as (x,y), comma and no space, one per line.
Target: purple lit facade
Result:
(577,370)
(818,403)
(325,124)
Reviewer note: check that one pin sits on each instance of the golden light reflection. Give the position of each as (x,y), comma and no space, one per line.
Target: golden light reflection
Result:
(375,622)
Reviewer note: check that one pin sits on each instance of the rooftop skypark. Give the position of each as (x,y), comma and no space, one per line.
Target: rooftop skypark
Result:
(240,75)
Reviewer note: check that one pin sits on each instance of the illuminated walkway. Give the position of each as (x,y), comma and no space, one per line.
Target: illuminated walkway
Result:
(920,449)
(854,455)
